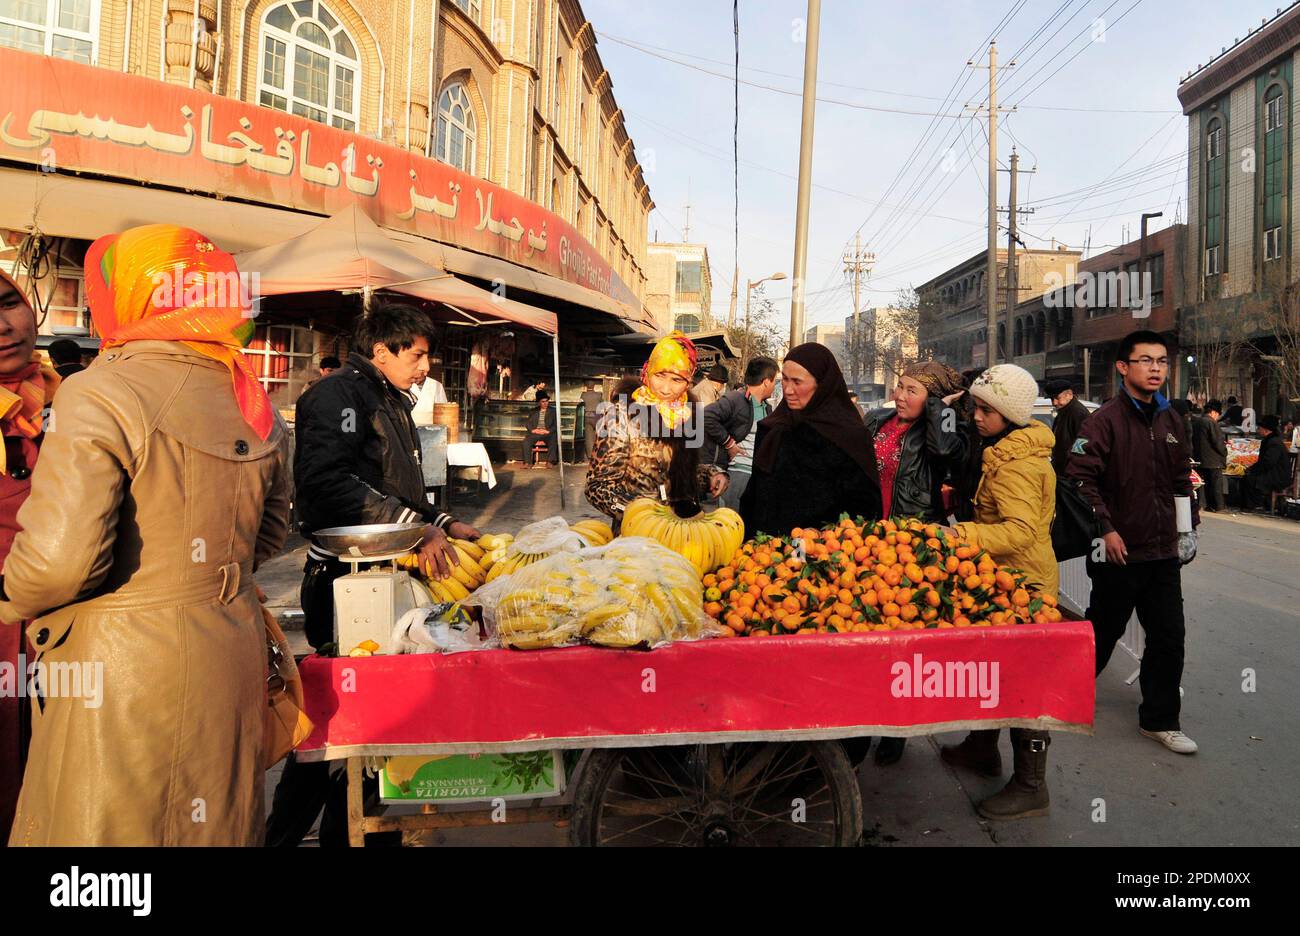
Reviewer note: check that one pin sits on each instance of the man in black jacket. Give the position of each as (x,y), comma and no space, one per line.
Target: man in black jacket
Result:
(1070,414)
(356,461)
(1132,462)
(728,419)
(541,426)
(1272,472)
(1211,454)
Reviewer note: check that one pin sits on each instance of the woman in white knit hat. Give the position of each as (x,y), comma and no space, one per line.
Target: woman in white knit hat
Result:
(1014,506)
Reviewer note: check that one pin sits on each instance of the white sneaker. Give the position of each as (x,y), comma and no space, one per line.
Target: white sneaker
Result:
(1176,741)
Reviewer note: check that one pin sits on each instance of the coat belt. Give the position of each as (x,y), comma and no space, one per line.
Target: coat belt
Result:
(225,583)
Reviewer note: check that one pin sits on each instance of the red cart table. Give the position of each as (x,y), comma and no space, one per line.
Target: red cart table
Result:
(800,691)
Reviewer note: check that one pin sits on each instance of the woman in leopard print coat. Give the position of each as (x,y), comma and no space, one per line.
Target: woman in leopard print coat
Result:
(648,444)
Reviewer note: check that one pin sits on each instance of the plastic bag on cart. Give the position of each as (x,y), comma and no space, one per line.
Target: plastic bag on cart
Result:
(634,592)
(546,537)
(438,628)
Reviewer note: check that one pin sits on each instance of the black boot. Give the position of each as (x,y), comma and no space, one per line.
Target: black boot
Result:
(978,752)
(1026,793)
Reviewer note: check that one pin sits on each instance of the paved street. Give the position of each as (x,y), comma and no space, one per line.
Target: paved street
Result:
(1242,599)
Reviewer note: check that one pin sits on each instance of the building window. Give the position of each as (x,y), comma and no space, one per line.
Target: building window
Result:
(281,359)
(1156,268)
(66,29)
(1273,180)
(1273,243)
(687,323)
(689,280)
(559,99)
(1212,261)
(1273,111)
(310,65)
(474,8)
(1214,195)
(456,140)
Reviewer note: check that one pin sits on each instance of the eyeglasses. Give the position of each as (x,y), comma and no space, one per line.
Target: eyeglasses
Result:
(1150,362)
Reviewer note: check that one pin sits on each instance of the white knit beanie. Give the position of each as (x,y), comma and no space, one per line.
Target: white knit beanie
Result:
(1009,389)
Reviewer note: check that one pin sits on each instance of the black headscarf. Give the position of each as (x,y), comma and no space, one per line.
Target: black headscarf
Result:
(830,412)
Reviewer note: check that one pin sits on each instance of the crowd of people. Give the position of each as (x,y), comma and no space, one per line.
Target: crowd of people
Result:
(964,453)
(131,534)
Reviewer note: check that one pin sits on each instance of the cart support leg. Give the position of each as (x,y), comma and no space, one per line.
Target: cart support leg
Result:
(356,805)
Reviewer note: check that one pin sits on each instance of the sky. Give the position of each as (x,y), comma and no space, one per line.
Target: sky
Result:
(1096,117)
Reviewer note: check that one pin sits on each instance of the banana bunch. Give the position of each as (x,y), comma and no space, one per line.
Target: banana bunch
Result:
(595,532)
(632,593)
(467,574)
(707,540)
(512,562)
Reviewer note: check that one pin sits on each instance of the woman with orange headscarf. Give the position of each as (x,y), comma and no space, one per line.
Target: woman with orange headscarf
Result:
(649,445)
(163,487)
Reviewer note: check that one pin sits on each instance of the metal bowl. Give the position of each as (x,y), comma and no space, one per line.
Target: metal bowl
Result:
(370,539)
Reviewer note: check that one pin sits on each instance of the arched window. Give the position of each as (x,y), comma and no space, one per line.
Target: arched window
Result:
(310,65)
(1019,347)
(1214,197)
(67,29)
(1002,342)
(687,323)
(1273,178)
(1040,333)
(456,141)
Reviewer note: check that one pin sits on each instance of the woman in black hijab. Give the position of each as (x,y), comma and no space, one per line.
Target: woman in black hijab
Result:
(813,457)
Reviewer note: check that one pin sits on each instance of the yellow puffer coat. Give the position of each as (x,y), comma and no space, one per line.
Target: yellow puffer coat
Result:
(1015,503)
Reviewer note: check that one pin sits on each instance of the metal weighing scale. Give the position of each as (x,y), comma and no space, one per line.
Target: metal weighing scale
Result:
(369,602)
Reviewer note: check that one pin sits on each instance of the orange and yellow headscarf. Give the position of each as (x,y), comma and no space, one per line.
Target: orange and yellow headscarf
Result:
(674,354)
(161,282)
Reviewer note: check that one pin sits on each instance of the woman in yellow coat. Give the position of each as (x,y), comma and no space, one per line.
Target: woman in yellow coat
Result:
(162,483)
(1014,506)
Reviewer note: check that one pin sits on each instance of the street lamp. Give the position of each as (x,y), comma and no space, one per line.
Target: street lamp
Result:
(749,289)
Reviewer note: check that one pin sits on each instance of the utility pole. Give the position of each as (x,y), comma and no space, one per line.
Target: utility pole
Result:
(991,268)
(857,264)
(1013,270)
(811,40)
(735,280)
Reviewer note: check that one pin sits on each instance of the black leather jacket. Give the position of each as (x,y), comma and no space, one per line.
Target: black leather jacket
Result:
(357,454)
(931,449)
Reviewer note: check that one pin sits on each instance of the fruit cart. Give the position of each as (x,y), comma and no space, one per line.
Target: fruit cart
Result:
(713,742)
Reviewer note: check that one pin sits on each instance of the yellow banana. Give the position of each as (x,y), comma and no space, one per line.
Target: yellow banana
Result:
(440,592)
(466,580)
(458,591)
(471,548)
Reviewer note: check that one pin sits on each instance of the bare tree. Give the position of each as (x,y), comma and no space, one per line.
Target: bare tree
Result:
(1217,334)
(1281,322)
(765,336)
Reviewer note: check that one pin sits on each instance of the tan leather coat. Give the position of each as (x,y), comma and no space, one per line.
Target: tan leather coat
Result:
(151,504)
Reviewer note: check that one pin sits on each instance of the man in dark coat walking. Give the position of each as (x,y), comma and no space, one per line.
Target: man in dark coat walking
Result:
(1070,414)
(1211,453)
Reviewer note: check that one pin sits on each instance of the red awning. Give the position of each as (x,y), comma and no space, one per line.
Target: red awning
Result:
(350,251)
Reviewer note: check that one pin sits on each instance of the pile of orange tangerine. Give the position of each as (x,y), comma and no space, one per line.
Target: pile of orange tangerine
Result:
(899,574)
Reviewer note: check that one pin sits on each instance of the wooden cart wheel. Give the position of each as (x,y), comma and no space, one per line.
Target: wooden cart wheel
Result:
(744,794)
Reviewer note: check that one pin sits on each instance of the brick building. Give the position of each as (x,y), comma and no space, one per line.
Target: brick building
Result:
(512,93)
(1243,242)
(953,322)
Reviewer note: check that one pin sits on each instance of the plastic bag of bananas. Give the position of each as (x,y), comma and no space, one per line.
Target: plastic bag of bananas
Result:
(634,592)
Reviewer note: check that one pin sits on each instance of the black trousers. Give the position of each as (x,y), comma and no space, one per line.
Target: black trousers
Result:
(307,788)
(1212,493)
(552,446)
(1155,590)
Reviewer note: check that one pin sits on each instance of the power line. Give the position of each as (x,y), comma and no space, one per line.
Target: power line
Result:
(1081,50)
(651,50)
